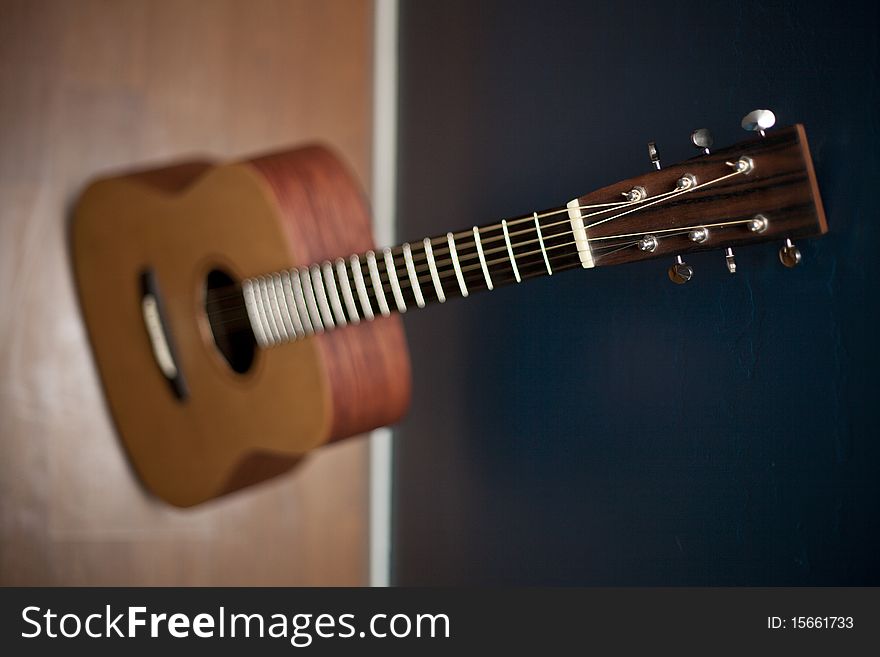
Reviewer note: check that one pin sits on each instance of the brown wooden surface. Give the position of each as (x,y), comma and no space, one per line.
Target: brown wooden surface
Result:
(92,86)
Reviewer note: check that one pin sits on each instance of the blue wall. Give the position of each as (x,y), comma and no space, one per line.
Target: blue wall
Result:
(606,426)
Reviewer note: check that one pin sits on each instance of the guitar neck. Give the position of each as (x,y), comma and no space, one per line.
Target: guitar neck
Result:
(291,304)
(751,192)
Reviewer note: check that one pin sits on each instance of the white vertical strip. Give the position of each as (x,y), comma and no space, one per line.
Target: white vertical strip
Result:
(377,284)
(342,277)
(395,284)
(275,308)
(361,286)
(581,242)
(541,242)
(250,304)
(451,241)
(432,265)
(291,304)
(263,301)
(311,301)
(282,305)
(413,277)
(330,285)
(510,251)
(300,302)
(479,244)
(321,296)
(384,190)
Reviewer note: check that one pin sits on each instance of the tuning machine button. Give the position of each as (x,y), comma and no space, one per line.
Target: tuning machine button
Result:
(637,193)
(730,260)
(758,223)
(699,235)
(654,155)
(648,243)
(789,254)
(759,120)
(679,271)
(743,164)
(702,139)
(687,181)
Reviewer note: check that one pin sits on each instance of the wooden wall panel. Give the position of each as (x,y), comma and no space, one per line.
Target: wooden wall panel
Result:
(87,86)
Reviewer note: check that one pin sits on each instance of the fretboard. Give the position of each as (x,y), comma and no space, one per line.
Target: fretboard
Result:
(296,303)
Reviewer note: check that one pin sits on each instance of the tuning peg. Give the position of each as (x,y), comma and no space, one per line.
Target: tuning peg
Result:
(702,139)
(637,193)
(680,272)
(699,235)
(789,254)
(759,120)
(654,155)
(730,260)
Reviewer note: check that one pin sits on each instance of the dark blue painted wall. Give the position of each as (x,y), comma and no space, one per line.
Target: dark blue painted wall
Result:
(608,427)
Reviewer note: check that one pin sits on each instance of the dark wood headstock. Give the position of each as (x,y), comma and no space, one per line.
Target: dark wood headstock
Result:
(780,187)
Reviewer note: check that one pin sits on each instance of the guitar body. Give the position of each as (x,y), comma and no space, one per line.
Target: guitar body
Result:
(200,408)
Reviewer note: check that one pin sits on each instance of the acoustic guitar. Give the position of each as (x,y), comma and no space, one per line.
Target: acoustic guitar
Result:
(241,316)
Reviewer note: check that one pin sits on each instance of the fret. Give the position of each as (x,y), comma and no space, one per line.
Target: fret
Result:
(300,301)
(345,286)
(435,277)
(541,243)
(321,296)
(267,310)
(482,256)
(413,278)
(311,302)
(275,309)
(282,320)
(454,255)
(376,280)
(261,312)
(282,306)
(247,289)
(361,287)
(510,251)
(468,262)
(395,284)
(289,301)
(330,285)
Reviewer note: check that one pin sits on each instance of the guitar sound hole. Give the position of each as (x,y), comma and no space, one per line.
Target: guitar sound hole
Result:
(230,327)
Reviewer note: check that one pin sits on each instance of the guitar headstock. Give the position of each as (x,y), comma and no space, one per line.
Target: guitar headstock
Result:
(759,190)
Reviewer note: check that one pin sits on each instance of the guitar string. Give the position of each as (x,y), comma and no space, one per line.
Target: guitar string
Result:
(633,207)
(440,243)
(447,274)
(555,258)
(667,232)
(239,314)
